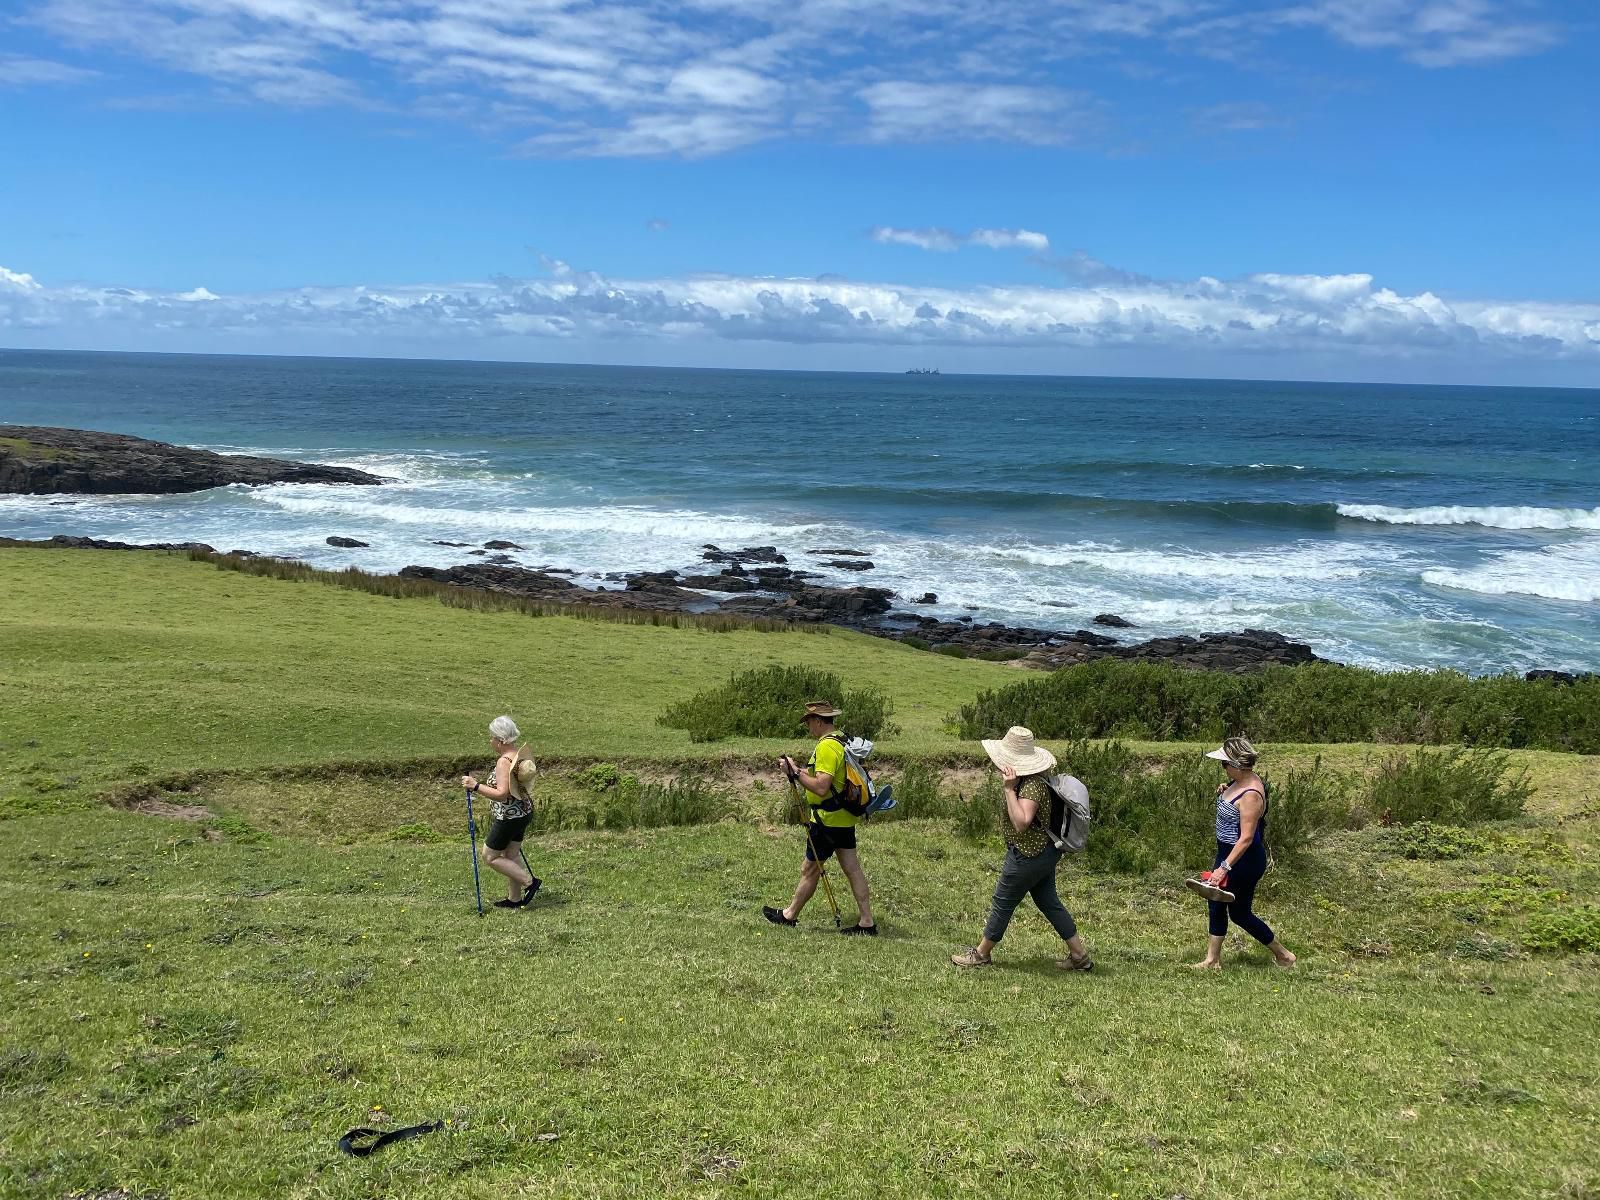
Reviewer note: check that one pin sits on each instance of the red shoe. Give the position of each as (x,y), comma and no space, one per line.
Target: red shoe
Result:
(1202,886)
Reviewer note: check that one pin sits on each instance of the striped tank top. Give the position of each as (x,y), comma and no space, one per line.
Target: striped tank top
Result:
(1228,818)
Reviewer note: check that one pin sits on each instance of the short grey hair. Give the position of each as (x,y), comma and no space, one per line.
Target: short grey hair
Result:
(504,729)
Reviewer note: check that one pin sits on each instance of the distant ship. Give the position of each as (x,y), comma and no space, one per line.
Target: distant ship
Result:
(922,371)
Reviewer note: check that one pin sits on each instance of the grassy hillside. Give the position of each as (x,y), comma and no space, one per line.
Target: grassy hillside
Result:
(198,999)
(120,664)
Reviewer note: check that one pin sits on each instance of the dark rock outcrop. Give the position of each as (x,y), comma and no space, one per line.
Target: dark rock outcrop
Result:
(514,581)
(1561,678)
(927,598)
(1246,650)
(66,541)
(759,554)
(839,553)
(1112,621)
(347,543)
(40,460)
(501,544)
(850,564)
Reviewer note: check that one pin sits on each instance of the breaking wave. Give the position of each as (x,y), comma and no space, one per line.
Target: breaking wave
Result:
(1498,517)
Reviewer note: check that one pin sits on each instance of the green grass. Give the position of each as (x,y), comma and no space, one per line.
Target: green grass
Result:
(25,449)
(150,663)
(199,1007)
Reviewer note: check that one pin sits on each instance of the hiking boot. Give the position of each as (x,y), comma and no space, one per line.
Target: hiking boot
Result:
(775,915)
(868,930)
(971,958)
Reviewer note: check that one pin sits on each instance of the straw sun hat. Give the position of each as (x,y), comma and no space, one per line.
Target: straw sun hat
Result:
(1017,751)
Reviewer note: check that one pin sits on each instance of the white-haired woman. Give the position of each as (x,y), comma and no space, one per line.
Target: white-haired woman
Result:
(1031,857)
(510,792)
(1230,885)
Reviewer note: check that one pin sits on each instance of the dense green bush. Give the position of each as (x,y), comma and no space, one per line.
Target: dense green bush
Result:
(1575,930)
(1315,703)
(1452,787)
(768,701)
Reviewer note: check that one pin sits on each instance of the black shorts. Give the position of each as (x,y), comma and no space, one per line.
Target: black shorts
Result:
(822,840)
(506,830)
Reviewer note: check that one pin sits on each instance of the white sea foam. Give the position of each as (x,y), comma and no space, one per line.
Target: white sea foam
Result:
(1302,560)
(637,520)
(1497,517)
(1570,571)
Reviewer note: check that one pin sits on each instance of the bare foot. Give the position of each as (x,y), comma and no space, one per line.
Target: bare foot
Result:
(1206,964)
(1284,960)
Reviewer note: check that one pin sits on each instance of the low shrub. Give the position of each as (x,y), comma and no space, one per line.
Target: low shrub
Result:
(686,800)
(1451,787)
(1577,931)
(918,792)
(767,702)
(1319,702)
(1425,840)
(597,777)
(1305,804)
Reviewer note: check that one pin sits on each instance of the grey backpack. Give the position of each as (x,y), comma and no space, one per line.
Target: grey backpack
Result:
(1068,824)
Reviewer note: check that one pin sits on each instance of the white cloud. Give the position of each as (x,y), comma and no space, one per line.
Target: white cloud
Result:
(1275,316)
(1009,239)
(626,78)
(906,111)
(922,239)
(19,71)
(945,240)
(1430,33)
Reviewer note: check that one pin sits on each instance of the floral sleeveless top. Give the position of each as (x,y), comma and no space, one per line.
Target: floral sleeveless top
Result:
(513,807)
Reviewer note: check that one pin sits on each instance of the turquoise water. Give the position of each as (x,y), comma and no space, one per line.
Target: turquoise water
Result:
(1385,525)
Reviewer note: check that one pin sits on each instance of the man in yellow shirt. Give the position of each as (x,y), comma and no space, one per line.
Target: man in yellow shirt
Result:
(832,830)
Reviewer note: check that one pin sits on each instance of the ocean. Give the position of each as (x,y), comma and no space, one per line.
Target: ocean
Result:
(1389,526)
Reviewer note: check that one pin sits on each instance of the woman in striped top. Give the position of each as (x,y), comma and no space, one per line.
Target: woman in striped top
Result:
(1241,853)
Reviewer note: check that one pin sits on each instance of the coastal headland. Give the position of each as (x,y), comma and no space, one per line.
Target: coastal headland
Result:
(44,460)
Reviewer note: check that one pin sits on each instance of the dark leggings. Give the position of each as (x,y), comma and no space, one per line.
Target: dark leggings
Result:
(1034,877)
(1242,880)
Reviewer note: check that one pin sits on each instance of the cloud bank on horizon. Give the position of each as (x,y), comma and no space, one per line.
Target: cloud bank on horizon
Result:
(1264,314)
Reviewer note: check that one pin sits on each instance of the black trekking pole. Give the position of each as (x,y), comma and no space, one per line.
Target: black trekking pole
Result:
(827,884)
(472,844)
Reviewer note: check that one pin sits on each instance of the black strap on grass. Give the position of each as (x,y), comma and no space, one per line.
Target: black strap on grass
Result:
(348,1142)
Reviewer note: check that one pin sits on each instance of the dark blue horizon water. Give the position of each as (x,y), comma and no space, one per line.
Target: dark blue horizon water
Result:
(1391,525)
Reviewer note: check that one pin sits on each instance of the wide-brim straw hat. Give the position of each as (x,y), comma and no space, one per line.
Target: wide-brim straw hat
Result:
(1018,751)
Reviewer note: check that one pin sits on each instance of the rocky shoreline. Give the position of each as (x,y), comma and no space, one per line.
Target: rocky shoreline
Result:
(757,582)
(44,461)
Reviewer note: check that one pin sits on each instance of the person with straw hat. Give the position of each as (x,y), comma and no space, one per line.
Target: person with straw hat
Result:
(1031,857)
(831,830)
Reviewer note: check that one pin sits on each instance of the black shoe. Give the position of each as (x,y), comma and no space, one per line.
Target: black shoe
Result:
(867,930)
(529,893)
(775,915)
(508,903)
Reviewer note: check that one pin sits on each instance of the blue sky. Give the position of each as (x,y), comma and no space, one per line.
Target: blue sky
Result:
(1362,189)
